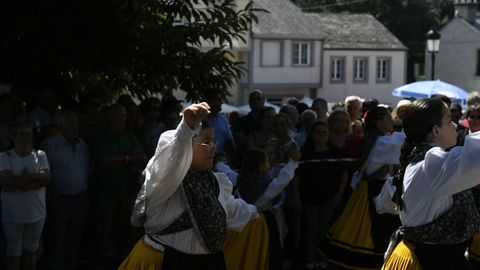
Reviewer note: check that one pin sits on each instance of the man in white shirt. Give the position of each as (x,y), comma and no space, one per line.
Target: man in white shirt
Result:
(69,160)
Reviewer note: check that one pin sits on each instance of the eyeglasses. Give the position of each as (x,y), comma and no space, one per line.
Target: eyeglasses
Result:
(209,145)
(474,117)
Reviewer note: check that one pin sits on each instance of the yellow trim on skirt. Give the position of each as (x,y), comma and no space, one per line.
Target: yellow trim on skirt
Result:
(351,235)
(402,258)
(243,250)
(142,257)
(352,230)
(474,253)
(248,249)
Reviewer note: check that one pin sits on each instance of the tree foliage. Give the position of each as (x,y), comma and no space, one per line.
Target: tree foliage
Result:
(109,46)
(408,20)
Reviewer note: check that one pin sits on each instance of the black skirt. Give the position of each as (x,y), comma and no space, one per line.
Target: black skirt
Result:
(275,248)
(176,260)
(439,257)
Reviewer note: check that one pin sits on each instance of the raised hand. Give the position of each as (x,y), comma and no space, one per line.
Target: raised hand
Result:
(293,152)
(195,113)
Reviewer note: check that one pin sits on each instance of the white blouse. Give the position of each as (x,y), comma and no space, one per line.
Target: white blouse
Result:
(285,175)
(225,168)
(429,184)
(23,206)
(166,202)
(386,150)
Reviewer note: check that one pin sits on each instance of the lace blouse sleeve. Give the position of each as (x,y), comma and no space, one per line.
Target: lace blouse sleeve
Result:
(456,170)
(167,168)
(239,213)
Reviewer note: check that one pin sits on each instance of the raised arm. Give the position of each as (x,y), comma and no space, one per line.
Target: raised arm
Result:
(455,170)
(173,157)
(385,151)
(284,177)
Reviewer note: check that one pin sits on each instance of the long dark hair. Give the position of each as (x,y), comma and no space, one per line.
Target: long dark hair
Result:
(373,115)
(419,120)
(372,133)
(309,145)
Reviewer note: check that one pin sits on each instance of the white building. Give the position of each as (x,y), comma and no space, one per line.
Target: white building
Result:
(292,53)
(458,60)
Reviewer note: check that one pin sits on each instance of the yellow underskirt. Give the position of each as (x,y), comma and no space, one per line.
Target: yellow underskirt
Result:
(243,250)
(402,258)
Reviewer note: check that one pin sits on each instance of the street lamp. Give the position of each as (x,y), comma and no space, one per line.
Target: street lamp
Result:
(433,46)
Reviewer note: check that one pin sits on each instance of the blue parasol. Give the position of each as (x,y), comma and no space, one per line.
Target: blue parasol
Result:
(425,89)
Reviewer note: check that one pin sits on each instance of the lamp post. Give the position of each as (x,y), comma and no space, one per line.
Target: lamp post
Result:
(433,46)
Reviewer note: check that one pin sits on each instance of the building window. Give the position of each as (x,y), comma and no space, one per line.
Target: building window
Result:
(360,69)
(337,69)
(384,69)
(301,53)
(271,54)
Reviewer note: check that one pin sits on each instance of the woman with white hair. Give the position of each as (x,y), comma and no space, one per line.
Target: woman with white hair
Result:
(399,113)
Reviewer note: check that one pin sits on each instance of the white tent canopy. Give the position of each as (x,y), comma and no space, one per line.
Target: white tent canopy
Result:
(245,109)
(307,101)
(228,108)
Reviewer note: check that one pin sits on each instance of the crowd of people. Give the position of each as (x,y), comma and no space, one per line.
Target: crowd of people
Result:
(359,185)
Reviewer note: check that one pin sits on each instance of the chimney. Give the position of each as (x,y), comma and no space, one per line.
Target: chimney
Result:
(466,9)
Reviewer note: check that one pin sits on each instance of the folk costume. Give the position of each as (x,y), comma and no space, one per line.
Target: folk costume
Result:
(359,237)
(262,190)
(437,208)
(185,212)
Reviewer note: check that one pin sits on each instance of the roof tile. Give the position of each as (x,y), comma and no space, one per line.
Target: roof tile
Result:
(339,31)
